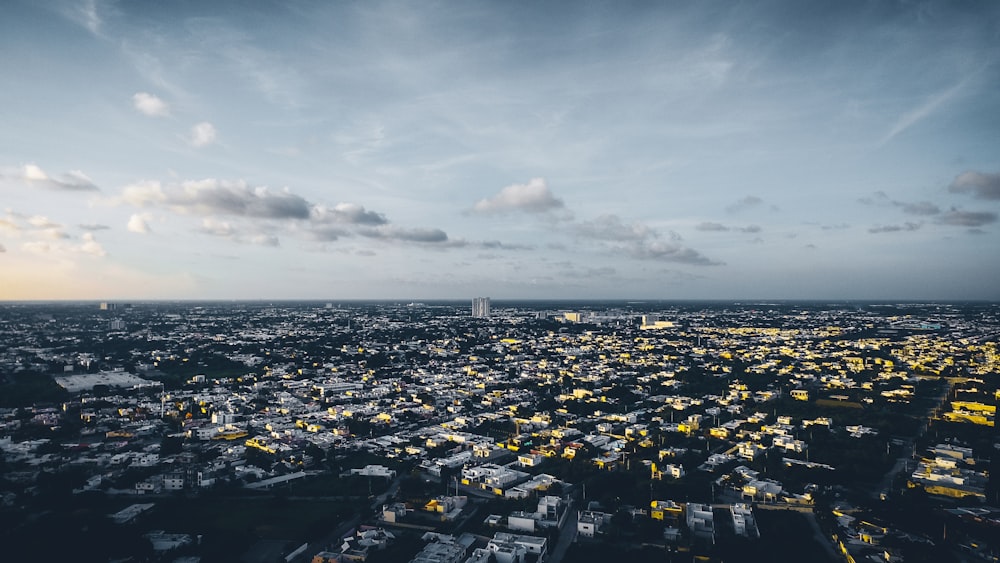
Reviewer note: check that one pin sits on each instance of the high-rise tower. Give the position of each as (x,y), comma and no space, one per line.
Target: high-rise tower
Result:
(481,307)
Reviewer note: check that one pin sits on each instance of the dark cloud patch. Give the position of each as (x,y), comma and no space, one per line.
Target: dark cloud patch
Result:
(669,252)
(895,228)
(979,185)
(93,227)
(750,229)
(219,197)
(640,241)
(878,198)
(497,245)
(326,233)
(604,271)
(711,227)
(347,213)
(923,208)
(612,228)
(961,218)
(423,236)
(748,202)
(3,248)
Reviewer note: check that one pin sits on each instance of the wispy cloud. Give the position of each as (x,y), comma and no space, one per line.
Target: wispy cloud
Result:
(921,112)
(85,13)
(895,228)
(748,202)
(33,175)
(710,226)
(640,241)
(961,218)
(918,208)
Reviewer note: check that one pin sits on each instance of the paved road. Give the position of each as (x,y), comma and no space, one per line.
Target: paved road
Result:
(566,536)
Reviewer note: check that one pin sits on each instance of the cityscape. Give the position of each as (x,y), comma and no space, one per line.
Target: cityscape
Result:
(499,431)
(300,281)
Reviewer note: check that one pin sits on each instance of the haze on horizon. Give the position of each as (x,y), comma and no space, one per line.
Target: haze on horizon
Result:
(522,150)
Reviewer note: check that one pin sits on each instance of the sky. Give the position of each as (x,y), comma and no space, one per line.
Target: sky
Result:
(517,150)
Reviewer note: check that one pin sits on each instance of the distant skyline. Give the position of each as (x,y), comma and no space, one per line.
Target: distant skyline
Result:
(445,150)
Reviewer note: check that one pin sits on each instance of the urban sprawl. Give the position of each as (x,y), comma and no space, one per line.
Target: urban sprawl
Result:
(499,432)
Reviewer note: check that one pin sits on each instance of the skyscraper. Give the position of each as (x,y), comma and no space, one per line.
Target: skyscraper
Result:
(481,307)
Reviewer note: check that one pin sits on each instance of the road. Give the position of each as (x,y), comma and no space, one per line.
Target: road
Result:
(903,463)
(566,536)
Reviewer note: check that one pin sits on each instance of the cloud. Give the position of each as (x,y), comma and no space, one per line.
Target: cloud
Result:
(895,228)
(57,246)
(497,245)
(711,227)
(85,14)
(151,105)
(219,197)
(93,227)
(670,252)
(533,197)
(202,134)
(74,180)
(921,208)
(426,236)
(921,112)
(42,222)
(91,246)
(918,208)
(347,213)
(226,230)
(3,248)
(139,223)
(640,241)
(213,226)
(611,227)
(967,218)
(877,198)
(747,202)
(980,185)
(264,240)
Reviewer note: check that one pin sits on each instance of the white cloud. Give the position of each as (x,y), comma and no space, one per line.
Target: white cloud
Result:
(203,134)
(33,172)
(91,246)
(74,180)
(138,223)
(150,105)
(533,197)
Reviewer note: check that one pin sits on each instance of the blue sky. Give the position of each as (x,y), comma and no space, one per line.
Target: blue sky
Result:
(418,150)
